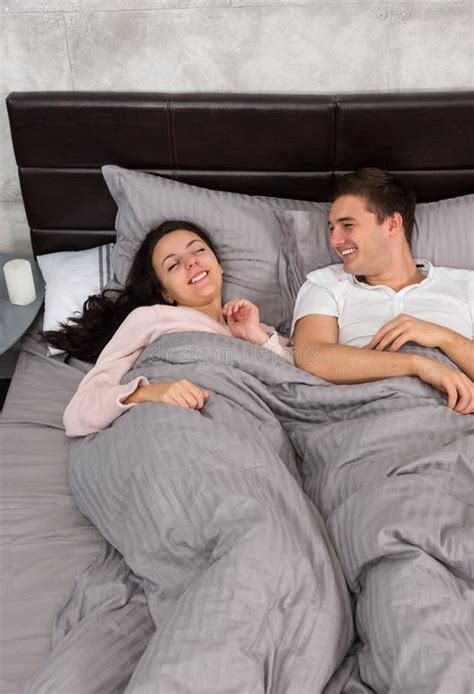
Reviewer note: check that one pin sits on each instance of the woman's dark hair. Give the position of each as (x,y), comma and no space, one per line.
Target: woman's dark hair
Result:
(384,193)
(85,336)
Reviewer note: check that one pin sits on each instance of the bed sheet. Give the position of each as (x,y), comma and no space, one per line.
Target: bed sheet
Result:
(45,541)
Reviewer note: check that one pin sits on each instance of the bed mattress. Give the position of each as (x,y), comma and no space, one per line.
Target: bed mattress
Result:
(45,542)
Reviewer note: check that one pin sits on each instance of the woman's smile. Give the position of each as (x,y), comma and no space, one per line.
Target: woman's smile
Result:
(199,277)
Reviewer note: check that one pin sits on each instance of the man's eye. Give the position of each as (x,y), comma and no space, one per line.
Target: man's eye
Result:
(348,226)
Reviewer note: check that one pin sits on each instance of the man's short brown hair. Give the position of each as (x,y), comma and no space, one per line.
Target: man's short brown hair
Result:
(384,194)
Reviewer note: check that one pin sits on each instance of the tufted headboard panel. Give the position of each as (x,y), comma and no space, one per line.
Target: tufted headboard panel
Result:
(292,146)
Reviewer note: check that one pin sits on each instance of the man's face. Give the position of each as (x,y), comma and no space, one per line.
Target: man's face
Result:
(357,236)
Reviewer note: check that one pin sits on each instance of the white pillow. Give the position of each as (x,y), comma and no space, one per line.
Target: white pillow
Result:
(70,278)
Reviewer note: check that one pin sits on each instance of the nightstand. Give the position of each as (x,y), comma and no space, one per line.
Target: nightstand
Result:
(15,321)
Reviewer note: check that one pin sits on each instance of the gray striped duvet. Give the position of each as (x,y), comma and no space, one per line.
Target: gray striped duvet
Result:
(223,578)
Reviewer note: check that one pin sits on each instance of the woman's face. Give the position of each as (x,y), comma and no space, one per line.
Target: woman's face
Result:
(187,269)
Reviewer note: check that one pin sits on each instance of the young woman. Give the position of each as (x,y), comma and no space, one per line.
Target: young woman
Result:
(174,285)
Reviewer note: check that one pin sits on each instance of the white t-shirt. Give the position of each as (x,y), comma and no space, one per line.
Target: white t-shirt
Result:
(445,297)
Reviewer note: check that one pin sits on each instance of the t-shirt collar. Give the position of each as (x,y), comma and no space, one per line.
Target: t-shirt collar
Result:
(424,265)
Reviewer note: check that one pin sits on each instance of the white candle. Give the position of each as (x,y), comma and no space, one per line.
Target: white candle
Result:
(19,281)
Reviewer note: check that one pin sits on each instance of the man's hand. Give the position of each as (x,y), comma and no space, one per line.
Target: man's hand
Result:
(403,328)
(243,321)
(181,393)
(458,387)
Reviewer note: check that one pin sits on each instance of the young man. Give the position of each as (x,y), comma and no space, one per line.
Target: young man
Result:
(350,320)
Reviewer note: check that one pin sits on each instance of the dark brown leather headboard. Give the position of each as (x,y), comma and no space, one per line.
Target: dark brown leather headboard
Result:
(292,146)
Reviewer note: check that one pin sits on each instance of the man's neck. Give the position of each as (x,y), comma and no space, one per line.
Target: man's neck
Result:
(398,276)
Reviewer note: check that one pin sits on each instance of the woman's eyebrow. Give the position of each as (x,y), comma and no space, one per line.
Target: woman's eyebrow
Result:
(187,246)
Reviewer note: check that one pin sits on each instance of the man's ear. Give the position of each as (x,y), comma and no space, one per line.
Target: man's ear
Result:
(395,225)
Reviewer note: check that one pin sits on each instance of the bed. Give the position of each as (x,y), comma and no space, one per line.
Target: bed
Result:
(285,147)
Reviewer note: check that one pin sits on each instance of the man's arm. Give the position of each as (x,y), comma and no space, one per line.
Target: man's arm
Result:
(461,351)
(405,328)
(317,352)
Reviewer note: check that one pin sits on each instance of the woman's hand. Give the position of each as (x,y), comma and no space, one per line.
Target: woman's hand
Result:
(181,393)
(243,321)
(404,328)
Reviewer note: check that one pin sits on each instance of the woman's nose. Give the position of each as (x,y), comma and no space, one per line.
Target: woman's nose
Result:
(191,260)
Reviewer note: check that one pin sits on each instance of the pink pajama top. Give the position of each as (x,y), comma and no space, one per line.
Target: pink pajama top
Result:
(99,400)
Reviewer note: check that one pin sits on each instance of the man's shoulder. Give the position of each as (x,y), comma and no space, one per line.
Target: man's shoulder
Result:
(330,275)
(461,275)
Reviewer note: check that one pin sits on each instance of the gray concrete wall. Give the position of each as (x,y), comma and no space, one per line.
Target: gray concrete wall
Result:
(313,46)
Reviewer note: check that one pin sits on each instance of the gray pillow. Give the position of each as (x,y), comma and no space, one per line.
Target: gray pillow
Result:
(244,228)
(305,240)
(443,233)
(267,245)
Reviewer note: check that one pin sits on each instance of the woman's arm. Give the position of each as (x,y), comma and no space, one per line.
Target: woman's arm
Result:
(278,344)
(243,321)
(99,400)
(181,393)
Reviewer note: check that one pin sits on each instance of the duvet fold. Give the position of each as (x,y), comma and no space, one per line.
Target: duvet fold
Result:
(239,574)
